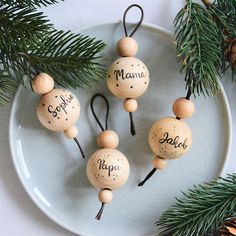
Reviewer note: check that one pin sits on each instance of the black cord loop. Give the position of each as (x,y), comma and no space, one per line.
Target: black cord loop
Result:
(138,24)
(94,114)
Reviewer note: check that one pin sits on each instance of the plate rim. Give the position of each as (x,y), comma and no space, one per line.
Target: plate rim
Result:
(59,222)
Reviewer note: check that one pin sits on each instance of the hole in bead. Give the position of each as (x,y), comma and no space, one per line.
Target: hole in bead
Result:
(131,86)
(117,85)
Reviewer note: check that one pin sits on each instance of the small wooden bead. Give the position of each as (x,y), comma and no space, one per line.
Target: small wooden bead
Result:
(183,108)
(71,133)
(105,196)
(127,47)
(170,138)
(108,169)
(159,163)
(42,83)
(130,105)
(128,77)
(108,139)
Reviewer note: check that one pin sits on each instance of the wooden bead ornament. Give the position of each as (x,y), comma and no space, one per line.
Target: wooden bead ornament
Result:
(128,77)
(107,168)
(169,137)
(58,109)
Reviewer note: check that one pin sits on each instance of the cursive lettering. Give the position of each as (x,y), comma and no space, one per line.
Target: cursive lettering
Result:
(63,103)
(173,141)
(103,166)
(121,74)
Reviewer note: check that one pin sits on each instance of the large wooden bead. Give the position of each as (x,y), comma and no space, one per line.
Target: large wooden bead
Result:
(42,83)
(58,110)
(107,169)
(108,139)
(128,77)
(183,108)
(127,47)
(170,138)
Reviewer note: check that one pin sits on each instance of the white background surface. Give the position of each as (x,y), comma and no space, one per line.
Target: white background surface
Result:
(18,215)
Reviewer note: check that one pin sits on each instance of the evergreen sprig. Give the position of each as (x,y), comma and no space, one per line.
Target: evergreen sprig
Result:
(198,48)
(29,44)
(203,35)
(202,210)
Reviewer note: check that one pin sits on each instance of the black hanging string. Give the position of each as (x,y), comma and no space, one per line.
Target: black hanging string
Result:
(99,214)
(138,24)
(80,148)
(189,93)
(132,127)
(94,113)
(151,173)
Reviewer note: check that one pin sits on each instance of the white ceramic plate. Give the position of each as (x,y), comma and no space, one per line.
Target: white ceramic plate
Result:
(52,172)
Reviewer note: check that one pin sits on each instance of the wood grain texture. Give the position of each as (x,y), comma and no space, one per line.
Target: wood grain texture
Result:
(170,138)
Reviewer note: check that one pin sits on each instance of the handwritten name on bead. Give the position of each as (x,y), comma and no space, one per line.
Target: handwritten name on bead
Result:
(121,74)
(63,104)
(173,141)
(110,168)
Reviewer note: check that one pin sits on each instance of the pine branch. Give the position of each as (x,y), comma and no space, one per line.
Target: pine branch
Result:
(7,87)
(202,210)
(29,3)
(19,26)
(198,48)
(29,44)
(71,59)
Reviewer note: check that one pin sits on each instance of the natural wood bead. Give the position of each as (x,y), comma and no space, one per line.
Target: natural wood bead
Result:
(127,47)
(108,139)
(128,77)
(58,110)
(71,133)
(170,138)
(105,196)
(159,163)
(183,108)
(130,105)
(108,169)
(42,83)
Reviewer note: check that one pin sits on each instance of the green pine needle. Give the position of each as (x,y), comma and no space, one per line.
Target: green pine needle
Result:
(29,44)
(30,3)
(7,87)
(198,48)
(202,210)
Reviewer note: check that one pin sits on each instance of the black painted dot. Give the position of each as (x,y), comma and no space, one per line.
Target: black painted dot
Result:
(58,117)
(49,122)
(132,65)
(114,178)
(66,119)
(55,96)
(117,62)
(145,82)
(117,85)
(131,86)
(109,76)
(43,105)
